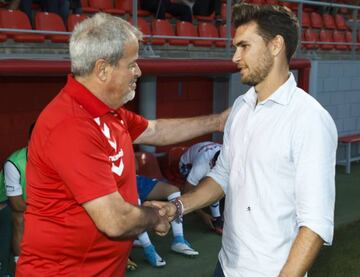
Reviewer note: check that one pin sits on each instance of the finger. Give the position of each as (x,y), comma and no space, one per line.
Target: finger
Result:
(147,204)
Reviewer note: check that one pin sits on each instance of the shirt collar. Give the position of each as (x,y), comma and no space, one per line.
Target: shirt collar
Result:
(85,98)
(281,96)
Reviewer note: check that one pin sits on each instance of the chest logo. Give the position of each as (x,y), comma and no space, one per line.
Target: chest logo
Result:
(118,157)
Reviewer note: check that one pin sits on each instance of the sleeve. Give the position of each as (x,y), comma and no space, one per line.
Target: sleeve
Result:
(199,169)
(221,171)
(12,180)
(76,150)
(136,123)
(314,152)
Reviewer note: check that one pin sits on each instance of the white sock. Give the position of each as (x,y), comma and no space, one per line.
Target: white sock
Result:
(144,239)
(215,209)
(177,228)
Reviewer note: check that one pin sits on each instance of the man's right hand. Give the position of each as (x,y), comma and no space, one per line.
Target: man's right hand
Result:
(167,209)
(163,226)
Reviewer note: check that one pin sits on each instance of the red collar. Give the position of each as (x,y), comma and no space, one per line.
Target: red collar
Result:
(86,99)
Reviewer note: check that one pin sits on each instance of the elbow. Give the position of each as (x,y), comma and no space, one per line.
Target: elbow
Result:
(114,230)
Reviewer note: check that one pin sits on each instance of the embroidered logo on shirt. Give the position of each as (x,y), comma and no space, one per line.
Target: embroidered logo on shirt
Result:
(117,158)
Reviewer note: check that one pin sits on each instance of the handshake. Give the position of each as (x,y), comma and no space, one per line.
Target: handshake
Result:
(168,211)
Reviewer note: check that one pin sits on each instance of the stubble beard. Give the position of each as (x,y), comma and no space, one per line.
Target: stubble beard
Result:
(260,72)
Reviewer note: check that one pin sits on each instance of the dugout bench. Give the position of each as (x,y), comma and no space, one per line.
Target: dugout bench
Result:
(348,141)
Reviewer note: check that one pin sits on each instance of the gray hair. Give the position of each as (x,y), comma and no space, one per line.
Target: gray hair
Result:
(100,37)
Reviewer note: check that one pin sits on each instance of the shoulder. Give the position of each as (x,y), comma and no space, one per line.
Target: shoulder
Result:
(308,108)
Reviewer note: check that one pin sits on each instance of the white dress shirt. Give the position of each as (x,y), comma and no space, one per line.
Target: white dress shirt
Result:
(277,169)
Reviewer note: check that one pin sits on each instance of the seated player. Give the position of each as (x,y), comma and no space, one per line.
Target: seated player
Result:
(194,164)
(153,189)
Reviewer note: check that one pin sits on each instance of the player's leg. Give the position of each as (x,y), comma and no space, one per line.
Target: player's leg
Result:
(170,192)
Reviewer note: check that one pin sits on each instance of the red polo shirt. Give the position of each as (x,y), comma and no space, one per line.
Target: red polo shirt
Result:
(80,150)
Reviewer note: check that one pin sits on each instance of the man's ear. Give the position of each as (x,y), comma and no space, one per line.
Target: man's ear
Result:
(277,45)
(101,70)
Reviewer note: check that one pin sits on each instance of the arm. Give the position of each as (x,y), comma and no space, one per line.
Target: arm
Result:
(205,217)
(121,220)
(302,254)
(18,231)
(203,195)
(17,203)
(170,131)
(207,192)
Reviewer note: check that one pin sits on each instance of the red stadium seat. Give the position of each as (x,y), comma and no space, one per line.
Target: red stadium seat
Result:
(203,18)
(316,20)
(106,6)
(3,37)
(256,2)
(310,36)
(164,28)
(339,36)
(340,22)
(174,158)
(51,22)
(223,11)
(15,19)
(86,8)
(127,6)
(206,29)
(291,6)
(148,165)
(143,26)
(348,37)
(74,19)
(326,36)
(306,20)
(272,2)
(329,21)
(222,31)
(184,28)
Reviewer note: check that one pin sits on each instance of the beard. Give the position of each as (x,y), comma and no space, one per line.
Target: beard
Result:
(128,97)
(260,71)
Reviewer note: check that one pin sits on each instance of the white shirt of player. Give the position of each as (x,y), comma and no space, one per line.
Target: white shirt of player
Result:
(199,156)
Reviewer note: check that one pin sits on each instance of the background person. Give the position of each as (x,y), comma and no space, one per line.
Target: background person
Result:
(195,163)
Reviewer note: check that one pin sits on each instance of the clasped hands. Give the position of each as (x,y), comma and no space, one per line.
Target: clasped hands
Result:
(167,211)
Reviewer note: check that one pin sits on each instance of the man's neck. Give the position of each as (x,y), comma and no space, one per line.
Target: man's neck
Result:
(272,82)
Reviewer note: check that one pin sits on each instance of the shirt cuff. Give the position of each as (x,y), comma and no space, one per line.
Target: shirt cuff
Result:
(324,229)
(218,179)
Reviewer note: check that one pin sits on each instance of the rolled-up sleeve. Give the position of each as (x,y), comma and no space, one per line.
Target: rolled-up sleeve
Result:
(314,153)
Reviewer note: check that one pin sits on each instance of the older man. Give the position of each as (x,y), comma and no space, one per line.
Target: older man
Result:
(277,164)
(82,208)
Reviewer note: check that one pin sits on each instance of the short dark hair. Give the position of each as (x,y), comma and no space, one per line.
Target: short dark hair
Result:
(271,21)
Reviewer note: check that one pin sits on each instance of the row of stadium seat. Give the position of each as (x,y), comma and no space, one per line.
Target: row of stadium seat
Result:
(317,21)
(314,36)
(52,22)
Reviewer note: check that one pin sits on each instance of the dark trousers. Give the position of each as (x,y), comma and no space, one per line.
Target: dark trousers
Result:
(207,7)
(218,270)
(5,240)
(160,7)
(59,7)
